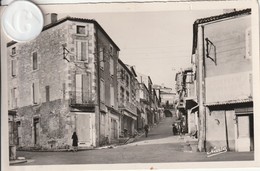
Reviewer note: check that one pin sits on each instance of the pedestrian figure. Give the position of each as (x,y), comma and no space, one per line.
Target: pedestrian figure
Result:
(146,129)
(174,129)
(74,141)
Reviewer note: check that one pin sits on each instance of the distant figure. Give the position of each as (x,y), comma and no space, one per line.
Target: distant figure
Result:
(174,129)
(74,141)
(146,129)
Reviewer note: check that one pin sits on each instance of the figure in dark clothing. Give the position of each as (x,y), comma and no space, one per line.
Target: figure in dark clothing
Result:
(146,129)
(174,129)
(74,141)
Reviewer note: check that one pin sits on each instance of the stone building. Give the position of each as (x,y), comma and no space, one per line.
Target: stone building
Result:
(127,98)
(64,81)
(222,54)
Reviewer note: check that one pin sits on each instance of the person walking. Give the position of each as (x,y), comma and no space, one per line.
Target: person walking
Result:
(146,129)
(74,142)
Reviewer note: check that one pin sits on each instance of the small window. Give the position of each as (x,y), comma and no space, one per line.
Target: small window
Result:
(13,51)
(13,68)
(47,89)
(111,49)
(35,61)
(35,92)
(81,30)
(127,80)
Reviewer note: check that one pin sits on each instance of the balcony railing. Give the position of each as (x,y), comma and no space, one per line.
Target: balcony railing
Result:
(128,106)
(82,98)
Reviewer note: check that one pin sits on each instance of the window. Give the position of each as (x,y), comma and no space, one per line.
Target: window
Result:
(122,97)
(211,51)
(13,68)
(112,95)
(82,51)
(127,96)
(83,88)
(102,91)
(13,51)
(248,42)
(111,66)
(35,91)
(81,30)
(127,80)
(47,90)
(122,74)
(35,61)
(14,98)
(111,49)
(101,58)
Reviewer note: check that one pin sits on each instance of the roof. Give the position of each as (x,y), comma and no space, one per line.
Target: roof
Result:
(68,18)
(230,102)
(125,67)
(214,18)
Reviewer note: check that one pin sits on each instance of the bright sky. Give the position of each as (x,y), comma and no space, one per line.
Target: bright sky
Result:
(157,43)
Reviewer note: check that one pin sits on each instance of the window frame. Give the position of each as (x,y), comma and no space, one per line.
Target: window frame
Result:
(78,30)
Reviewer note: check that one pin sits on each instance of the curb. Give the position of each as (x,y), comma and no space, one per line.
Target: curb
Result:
(13,162)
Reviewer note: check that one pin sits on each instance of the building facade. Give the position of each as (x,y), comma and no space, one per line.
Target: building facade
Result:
(222,54)
(64,81)
(127,98)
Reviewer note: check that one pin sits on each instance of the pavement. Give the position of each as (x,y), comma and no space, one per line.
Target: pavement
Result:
(159,147)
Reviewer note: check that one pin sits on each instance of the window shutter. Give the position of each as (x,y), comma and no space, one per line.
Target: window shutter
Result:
(13,68)
(86,84)
(36,93)
(102,91)
(35,62)
(47,89)
(83,51)
(78,50)
(79,88)
(111,66)
(101,56)
(248,43)
(112,96)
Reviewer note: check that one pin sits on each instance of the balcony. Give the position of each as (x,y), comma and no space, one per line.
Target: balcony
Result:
(82,99)
(128,106)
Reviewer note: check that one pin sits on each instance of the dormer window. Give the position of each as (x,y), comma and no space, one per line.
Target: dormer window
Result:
(13,51)
(81,30)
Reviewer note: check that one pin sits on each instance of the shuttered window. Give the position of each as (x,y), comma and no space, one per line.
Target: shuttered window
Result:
(14,97)
(102,91)
(82,51)
(35,90)
(111,66)
(35,61)
(78,89)
(101,56)
(47,90)
(86,86)
(83,88)
(112,96)
(13,67)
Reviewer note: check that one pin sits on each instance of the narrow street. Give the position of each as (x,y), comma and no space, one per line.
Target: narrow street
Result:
(160,146)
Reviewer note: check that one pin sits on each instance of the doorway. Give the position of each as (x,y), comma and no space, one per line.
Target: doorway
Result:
(245,133)
(36,127)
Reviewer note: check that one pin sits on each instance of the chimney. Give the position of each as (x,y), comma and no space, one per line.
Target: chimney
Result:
(50,18)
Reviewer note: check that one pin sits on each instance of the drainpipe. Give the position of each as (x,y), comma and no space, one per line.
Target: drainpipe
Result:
(201,85)
(98,82)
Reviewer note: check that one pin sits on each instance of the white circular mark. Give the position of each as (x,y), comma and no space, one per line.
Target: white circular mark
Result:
(22,21)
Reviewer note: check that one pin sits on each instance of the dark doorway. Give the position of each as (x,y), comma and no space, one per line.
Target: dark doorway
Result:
(36,125)
(167,113)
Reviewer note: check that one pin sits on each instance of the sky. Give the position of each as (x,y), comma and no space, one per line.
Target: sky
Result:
(157,43)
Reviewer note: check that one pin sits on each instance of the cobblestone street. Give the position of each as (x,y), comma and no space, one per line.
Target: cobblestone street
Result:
(160,146)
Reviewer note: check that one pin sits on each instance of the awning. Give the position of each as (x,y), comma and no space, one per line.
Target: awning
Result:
(129,115)
(229,102)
